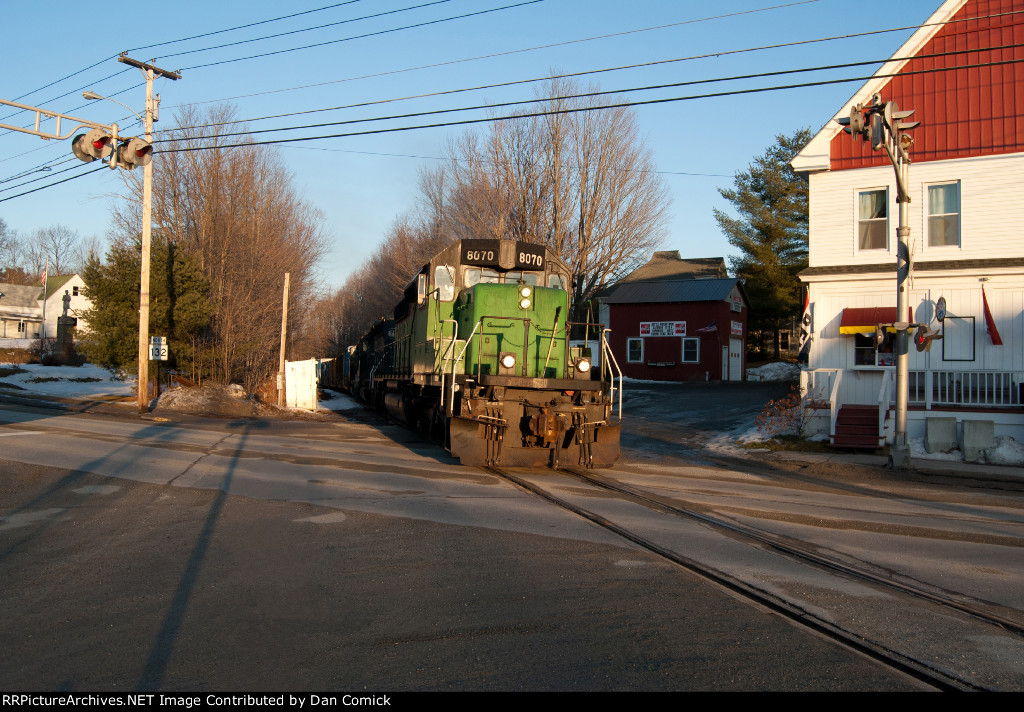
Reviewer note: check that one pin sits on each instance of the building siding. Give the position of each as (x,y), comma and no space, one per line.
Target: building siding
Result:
(991,210)
(625,322)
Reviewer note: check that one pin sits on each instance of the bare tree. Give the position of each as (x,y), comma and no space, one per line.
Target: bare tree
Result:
(578,179)
(57,245)
(236,210)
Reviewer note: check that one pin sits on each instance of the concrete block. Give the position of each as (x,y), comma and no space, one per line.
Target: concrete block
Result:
(940,435)
(979,435)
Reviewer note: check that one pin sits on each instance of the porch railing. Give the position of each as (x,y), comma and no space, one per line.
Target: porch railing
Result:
(982,389)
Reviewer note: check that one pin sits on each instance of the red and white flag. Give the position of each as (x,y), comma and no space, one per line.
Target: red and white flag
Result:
(990,323)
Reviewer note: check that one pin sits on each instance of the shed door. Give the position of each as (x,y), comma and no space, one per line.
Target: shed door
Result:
(735,359)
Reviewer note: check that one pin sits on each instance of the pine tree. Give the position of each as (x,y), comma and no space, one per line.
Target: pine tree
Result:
(770,232)
(179,307)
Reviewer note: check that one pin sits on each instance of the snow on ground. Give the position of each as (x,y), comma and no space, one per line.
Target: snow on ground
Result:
(85,381)
(332,400)
(780,371)
(1006,451)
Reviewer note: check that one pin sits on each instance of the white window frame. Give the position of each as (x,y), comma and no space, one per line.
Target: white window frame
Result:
(628,342)
(857,219)
(928,215)
(682,355)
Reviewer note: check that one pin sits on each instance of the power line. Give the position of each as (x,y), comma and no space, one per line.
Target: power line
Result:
(368,34)
(448,158)
(593,94)
(559,76)
(310,29)
(466,122)
(44,187)
(527,49)
(136,50)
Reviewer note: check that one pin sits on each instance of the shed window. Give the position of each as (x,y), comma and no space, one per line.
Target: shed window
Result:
(74,291)
(944,215)
(691,350)
(872,220)
(635,350)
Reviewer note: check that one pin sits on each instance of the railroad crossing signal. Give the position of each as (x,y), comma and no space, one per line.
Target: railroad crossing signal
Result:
(92,145)
(924,337)
(134,152)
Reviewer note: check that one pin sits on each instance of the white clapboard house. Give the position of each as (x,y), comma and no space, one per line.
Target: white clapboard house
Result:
(27,313)
(963,74)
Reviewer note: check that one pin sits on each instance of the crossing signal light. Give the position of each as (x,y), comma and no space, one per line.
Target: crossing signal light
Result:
(135,152)
(854,124)
(924,337)
(90,146)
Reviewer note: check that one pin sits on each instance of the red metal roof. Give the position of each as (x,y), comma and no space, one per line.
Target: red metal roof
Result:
(966,111)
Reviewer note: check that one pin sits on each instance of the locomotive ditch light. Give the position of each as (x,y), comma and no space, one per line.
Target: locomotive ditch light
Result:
(508,361)
(583,364)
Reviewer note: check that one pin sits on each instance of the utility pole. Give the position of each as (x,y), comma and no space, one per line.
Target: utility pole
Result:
(284,337)
(883,124)
(149,71)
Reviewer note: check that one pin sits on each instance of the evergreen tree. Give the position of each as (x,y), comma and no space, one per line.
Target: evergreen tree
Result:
(179,307)
(770,232)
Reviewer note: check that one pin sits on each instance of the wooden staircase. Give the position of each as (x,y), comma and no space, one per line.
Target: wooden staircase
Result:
(857,428)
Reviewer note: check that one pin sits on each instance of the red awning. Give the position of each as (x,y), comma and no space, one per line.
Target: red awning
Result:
(864,320)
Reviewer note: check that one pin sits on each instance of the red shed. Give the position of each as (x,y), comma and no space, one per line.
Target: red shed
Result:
(680,330)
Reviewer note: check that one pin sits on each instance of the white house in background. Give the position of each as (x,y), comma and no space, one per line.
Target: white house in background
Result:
(22,313)
(962,74)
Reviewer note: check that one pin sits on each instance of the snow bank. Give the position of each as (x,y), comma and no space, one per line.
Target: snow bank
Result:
(1006,451)
(86,381)
(780,371)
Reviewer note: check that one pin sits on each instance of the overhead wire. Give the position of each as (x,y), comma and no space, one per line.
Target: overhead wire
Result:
(574,110)
(365,35)
(591,94)
(310,29)
(245,26)
(567,75)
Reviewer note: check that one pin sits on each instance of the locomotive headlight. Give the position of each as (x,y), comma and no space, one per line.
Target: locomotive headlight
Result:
(508,361)
(524,303)
(583,365)
(525,291)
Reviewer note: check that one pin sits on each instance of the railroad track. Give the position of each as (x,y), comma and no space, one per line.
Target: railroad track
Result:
(791,549)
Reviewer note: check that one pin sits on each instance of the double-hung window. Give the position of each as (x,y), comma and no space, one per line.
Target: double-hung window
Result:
(873,220)
(635,350)
(691,350)
(944,215)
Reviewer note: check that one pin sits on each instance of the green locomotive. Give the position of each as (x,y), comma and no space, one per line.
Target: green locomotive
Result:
(482,360)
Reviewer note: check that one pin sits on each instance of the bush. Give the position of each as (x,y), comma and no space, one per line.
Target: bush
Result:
(782,417)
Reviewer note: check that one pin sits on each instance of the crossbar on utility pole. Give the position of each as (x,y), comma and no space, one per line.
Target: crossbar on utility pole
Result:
(150,72)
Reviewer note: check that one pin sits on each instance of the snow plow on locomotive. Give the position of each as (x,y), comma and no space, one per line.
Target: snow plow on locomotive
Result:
(479,357)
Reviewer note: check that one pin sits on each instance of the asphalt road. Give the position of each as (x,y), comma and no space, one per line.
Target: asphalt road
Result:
(197,555)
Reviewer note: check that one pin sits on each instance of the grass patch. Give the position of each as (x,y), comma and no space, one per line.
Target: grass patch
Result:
(6,371)
(85,379)
(12,386)
(44,379)
(788,442)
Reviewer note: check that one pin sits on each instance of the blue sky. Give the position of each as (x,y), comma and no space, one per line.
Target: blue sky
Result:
(361,184)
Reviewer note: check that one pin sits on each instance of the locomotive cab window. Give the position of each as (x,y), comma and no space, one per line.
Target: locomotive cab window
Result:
(444,283)
(475,275)
(556,281)
(530,278)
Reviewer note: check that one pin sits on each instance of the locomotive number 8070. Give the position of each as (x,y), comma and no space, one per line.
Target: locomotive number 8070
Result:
(484,358)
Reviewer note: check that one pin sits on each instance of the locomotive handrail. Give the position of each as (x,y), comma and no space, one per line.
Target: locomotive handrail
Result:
(606,349)
(451,401)
(451,344)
